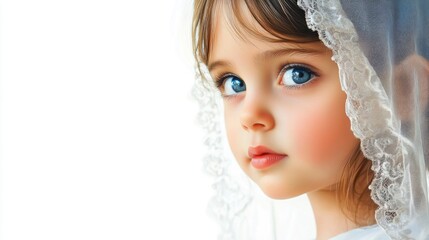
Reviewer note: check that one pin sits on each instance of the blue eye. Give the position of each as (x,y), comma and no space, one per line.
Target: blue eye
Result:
(297,75)
(233,85)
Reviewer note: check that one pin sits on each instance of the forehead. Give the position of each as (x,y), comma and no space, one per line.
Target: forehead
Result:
(236,20)
(236,26)
(229,34)
(228,41)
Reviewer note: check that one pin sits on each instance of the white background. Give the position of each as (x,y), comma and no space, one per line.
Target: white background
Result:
(98,137)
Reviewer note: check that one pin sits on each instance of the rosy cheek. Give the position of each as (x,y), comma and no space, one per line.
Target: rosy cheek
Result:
(322,131)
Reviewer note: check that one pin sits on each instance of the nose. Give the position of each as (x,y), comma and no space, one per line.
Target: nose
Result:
(255,113)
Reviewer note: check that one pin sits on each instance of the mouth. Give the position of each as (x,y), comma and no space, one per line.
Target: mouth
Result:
(263,157)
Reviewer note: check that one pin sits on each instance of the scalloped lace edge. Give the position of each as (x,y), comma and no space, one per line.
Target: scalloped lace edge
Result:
(380,141)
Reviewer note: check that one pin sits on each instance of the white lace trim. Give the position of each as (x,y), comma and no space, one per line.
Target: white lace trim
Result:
(366,97)
(230,198)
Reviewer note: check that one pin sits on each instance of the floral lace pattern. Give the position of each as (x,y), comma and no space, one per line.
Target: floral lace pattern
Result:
(380,141)
(230,198)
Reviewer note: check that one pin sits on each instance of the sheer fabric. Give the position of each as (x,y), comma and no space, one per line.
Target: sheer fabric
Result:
(382,51)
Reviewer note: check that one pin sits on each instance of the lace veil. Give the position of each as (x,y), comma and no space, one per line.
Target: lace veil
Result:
(382,51)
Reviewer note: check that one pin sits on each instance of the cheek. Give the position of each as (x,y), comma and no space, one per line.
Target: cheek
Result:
(322,132)
(233,132)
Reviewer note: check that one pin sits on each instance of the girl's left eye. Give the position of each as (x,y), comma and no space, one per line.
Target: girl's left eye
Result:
(297,75)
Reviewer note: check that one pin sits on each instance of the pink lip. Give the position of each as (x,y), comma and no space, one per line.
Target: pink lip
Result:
(263,157)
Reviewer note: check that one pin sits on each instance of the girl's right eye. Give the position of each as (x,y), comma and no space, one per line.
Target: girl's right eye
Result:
(233,85)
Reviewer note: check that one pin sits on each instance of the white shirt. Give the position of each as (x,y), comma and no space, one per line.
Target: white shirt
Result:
(373,232)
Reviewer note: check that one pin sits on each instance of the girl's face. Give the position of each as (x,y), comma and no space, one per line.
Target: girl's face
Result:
(285,97)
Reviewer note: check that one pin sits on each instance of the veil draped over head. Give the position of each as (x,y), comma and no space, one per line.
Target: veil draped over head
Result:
(382,51)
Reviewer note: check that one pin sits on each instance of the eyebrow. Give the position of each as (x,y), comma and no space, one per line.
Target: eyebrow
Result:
(270,54)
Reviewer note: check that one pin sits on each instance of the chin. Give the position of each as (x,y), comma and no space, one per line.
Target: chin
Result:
(277,195)
(279,191)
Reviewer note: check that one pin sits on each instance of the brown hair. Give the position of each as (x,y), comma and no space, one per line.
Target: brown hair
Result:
(285,22)
(353,192)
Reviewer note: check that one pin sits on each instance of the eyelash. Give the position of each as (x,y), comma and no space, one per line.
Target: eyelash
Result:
(294,65)
(219,80)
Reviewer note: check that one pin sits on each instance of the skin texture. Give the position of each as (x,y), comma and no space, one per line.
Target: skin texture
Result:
(307,124)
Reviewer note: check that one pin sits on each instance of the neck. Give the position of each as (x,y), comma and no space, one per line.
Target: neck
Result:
(330,220)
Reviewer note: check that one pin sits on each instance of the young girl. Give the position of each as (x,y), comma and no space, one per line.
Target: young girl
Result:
(317,112)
